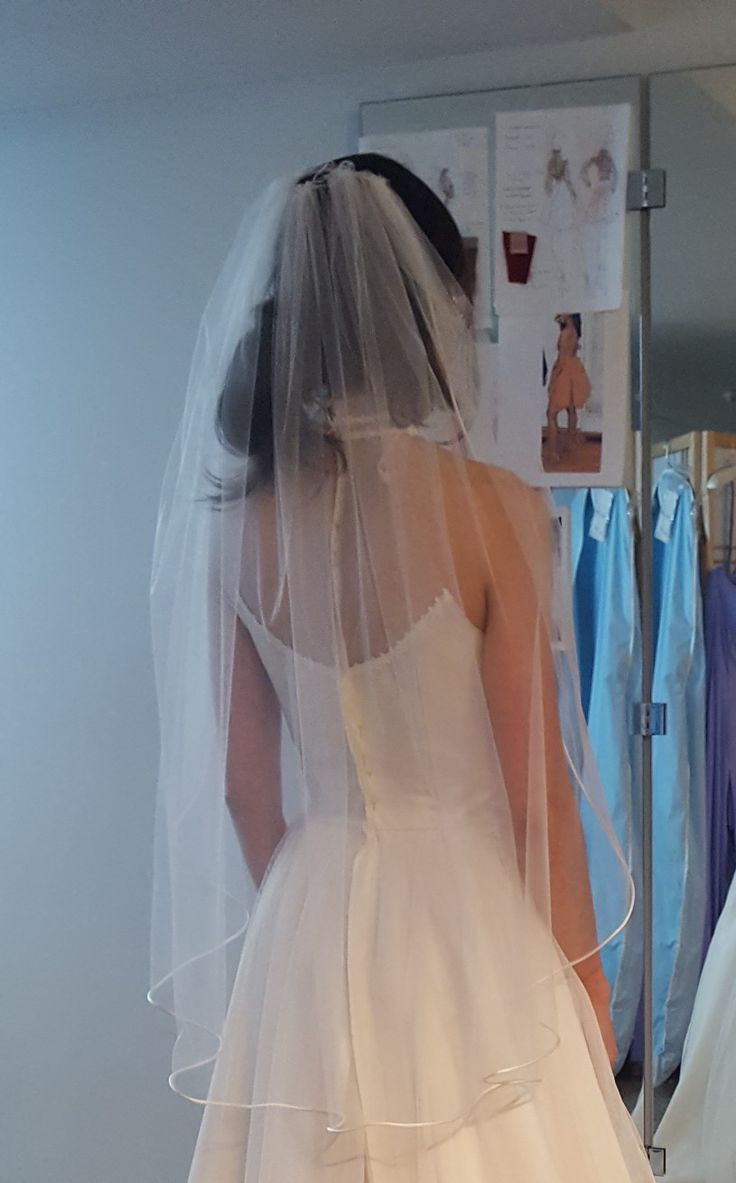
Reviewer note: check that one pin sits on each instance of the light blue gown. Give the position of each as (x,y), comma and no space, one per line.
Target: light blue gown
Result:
(678,769)
(606,611)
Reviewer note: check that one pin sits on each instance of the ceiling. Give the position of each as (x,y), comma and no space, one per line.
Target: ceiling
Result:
(720,84)
(647,12)
(64,52)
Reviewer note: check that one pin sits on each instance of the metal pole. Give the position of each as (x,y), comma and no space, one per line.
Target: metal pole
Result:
(647,631)
(647,191)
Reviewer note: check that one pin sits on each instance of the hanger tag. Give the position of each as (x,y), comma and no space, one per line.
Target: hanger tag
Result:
(602,501)
(668,499)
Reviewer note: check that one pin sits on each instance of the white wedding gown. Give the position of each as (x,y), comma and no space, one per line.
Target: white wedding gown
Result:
(399,911)
(698,1130)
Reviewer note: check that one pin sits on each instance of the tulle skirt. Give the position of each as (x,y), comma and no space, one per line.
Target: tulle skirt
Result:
(369,1065)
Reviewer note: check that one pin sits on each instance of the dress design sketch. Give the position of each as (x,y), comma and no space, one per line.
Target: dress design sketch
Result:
(600,176)
(560,175)
(560,208)
(560,214)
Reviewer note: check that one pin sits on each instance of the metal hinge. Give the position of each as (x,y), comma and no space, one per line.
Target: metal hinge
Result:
(649,718)
(657,1156)
(646,189)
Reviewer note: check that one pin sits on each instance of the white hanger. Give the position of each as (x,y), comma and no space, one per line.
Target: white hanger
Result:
(722,477)
(674,464)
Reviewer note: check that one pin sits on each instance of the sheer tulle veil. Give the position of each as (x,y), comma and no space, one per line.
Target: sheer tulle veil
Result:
(321,493)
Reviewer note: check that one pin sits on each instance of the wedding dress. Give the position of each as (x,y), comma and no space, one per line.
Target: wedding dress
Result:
(362,671)
(562,1121)
(697,1131)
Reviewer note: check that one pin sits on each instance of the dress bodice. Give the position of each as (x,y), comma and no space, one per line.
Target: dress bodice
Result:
(411,722)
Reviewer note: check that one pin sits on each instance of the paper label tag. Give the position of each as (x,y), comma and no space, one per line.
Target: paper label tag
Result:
(602,501)
(518,243)
(667,509)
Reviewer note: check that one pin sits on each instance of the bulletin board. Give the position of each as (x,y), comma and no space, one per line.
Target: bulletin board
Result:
(614,342)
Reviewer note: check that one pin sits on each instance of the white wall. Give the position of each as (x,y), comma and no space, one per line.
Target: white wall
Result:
(113,222)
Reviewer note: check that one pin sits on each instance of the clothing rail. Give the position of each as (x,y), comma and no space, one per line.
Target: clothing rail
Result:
(703,454)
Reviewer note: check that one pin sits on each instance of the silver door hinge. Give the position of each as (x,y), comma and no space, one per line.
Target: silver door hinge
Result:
(649,718)
(646,189)
(657,1156)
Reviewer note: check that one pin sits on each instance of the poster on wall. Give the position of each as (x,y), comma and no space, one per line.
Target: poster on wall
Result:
(562,402)
(560,209)
(454,163)
(483,428)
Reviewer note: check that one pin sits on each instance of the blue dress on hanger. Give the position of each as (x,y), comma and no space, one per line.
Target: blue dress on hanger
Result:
(678,769)
(606,612)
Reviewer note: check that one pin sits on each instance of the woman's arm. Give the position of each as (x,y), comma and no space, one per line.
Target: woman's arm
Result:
(253,791)
(521,691)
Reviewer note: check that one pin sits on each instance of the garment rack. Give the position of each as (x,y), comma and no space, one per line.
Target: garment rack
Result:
(703,455)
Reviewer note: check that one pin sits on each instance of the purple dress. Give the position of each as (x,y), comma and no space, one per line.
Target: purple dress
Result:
(720,645)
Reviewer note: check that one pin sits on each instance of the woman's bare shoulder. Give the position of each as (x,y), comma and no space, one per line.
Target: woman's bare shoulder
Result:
(468,483)
(488,482)
(506,509)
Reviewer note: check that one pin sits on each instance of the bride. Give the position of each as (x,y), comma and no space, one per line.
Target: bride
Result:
(372,914)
